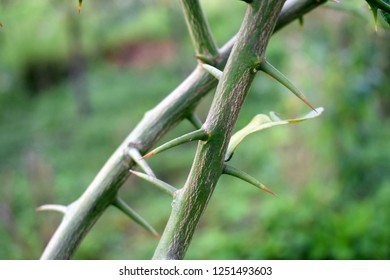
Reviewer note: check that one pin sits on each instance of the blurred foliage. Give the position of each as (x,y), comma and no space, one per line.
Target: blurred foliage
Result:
(331,173)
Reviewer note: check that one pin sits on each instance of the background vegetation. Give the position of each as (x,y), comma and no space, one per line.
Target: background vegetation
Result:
(73,86)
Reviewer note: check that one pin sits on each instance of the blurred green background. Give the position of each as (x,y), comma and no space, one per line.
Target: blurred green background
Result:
(73,86)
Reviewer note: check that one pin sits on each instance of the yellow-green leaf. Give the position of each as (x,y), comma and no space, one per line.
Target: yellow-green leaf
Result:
(261,122)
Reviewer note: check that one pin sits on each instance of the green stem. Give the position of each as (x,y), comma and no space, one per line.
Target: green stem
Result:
(199,29)
(191,201)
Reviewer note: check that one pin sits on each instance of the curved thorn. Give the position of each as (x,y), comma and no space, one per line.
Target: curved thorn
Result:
(158,183)
(213,71)
(140,161)
(195,121)
(266,67)
(53,207)
(128,211)
(199,134)
(229,170)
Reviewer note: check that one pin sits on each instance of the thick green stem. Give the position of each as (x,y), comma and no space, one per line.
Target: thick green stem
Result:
(190,202)
(179,104)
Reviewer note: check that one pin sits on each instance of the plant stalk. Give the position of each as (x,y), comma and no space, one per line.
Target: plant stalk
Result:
(191,201)
(199,29)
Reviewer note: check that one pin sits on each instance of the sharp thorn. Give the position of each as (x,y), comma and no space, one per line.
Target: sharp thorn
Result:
(229,170)
(53,207)
(192,136)
(140,161)
(132,214)
(213,71)
(266,67)
(156,182)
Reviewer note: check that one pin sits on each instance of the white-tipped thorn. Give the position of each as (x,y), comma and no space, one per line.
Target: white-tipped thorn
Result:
(213,71)
(53,207)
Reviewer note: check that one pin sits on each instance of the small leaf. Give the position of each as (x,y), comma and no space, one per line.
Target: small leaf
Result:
(156,182)
(192,136)
(261,122)
(128,211)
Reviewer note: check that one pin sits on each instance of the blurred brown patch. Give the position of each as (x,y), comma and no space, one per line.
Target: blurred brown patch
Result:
(142,54)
